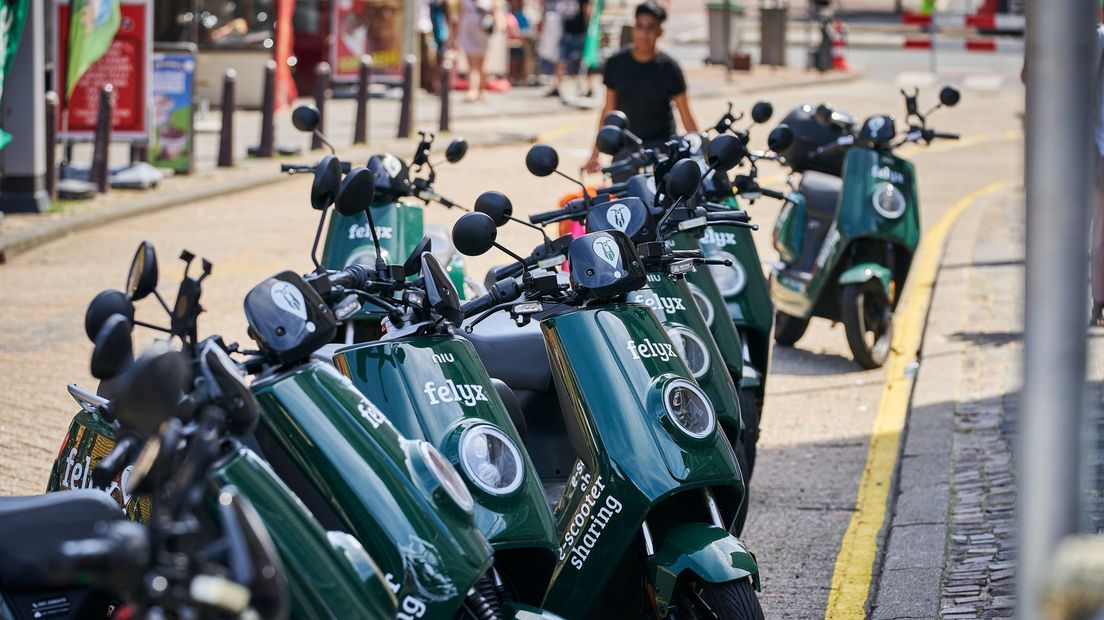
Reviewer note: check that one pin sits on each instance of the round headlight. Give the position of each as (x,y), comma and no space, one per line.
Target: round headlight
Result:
(491,459)
(689,408)
(447,476)
(889,201)
(691,348)
(704,304)
(730,279)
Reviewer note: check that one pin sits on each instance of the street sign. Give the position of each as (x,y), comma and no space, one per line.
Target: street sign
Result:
(126,66)
(171,145)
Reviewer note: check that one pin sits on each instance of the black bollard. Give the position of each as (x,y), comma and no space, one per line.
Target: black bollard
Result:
(321,93)
(360,133)
(268,112)
(102,139)
(446,77)
(406,109)
(139,151)
(226,135)
(51,144)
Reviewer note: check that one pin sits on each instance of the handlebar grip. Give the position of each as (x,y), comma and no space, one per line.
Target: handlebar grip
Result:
(770,193)
(353,276)
(729,216)
(499,293)
(550,216)
(113,558)
(947,136)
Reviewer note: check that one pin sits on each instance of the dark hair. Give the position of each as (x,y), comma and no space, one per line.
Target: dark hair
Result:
(652,9)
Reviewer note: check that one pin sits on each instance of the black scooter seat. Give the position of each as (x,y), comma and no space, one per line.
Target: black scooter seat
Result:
(35,527)
(512,354)
(821,193)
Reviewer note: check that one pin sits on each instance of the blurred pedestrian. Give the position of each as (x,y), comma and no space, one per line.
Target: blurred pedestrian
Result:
(575,15)
(643,82)
(477,23)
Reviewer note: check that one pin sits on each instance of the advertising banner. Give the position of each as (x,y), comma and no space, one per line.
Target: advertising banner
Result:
(12,15)
(125,65)
(173,99)
(367,27)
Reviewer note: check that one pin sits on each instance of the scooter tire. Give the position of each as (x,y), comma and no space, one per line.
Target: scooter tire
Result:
(732,600)
(854,299)
(788,329)
(751,412)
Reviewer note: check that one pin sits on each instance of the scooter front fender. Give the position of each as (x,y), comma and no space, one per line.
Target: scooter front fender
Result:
(862,272)
(707,551)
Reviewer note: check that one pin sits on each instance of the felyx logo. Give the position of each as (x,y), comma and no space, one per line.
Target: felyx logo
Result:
(358,231)
(712,237)
(465,393)
(648,349)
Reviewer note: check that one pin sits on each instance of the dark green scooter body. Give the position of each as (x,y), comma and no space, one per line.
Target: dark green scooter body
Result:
(352,467)
(855,248)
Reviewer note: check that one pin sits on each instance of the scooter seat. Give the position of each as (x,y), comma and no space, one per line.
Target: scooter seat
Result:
(36,526)
(513,354)
(821,193)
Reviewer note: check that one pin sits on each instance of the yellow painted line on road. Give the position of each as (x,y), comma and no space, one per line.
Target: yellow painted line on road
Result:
(562,130)
(855,562)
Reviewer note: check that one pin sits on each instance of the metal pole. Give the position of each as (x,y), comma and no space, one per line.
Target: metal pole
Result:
(268,113)
(1060,164)
(406,107)
(360,131)
(726,28)
(52,103)
(321,93)
(446,77)
(226,133)
(100,170)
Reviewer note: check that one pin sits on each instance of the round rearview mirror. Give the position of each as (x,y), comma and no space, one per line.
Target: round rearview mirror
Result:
(113,348)
(824,114)
(142,278)
(306,118)
(150,390)
(616,118)
(610,140)
(725,152)
(542,160)
(683,179)
(358,188)
(762,111)
(496,206)
(780,138)
(327,182)
(103,307)
(949,96)
(456,150)
(474,234)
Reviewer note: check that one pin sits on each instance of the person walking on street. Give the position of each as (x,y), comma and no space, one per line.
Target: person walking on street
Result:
(477,23)
(643,82)
(575,15)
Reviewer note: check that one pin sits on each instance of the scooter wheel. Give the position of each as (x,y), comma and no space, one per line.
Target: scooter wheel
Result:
(868,322)
(733,600)
(788,329)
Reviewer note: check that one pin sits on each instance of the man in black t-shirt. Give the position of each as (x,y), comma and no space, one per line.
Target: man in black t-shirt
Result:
(642,82)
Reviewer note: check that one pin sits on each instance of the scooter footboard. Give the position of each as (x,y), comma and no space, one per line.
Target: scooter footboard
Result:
(705,550)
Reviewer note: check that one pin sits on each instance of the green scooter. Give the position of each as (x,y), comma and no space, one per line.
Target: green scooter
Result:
(624,438)
(847,235)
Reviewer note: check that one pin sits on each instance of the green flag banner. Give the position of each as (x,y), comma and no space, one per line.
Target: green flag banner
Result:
(592,50)
(92,27)
(12,15)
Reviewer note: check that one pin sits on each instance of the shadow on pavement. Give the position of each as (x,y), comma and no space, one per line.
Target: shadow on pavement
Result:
(799,362)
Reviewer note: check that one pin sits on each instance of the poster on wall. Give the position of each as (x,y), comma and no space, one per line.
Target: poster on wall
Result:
(125,64)
(367,27)
(173,98)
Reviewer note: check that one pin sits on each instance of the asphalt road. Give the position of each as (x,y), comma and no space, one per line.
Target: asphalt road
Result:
(819,406)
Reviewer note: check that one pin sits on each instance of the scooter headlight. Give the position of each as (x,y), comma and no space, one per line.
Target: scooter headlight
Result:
(446,474)
(689,409)
(491,459)
(730,279)
(888,201)
(691,348)
(704,304)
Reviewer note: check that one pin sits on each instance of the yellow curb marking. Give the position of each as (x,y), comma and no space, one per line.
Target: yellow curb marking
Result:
(562,130)
(855,562)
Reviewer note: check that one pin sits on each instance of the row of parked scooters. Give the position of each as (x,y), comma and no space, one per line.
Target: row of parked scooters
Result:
(573,437)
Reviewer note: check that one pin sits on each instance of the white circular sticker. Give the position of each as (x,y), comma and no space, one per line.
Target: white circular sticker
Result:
(619,216)
(289,299)
(606,249)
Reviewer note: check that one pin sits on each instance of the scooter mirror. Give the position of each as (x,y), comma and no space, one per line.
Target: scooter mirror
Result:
(441,294)
(113,348)
(780,138)
(610,140)
(103,307)
(725,152)
(413,263)
(762,111)
(683,179)
(306,118)
(150,390)
(327,183)
(496,206)
(356,193)
(456,150)
(142,278)
(542,160)
(474,234)
(949,96)
(824,114)
(616,118)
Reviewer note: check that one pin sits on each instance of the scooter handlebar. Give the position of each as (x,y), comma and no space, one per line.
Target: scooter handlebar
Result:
(115,556)
(498,293)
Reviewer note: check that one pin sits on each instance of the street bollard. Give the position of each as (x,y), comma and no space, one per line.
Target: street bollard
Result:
(406,108)
(51,144)
(446,77)
(360,132)
(139,151)
(102,139)
(321,93)
(268,111)
(226,135)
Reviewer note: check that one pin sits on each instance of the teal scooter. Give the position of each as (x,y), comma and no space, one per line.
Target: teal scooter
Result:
(847,235)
